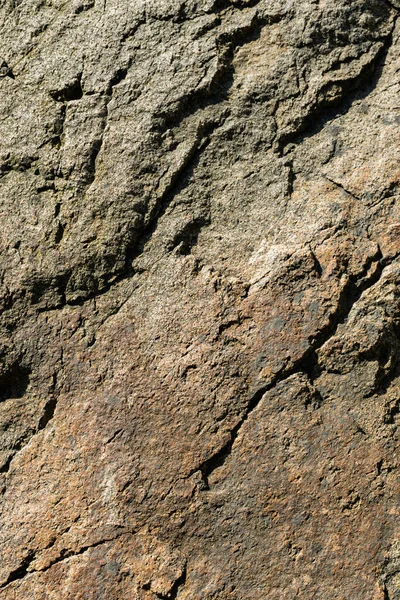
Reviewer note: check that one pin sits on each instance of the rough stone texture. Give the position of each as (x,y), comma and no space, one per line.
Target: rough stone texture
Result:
(200,305)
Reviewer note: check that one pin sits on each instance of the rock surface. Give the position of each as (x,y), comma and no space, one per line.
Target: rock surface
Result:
(200,301)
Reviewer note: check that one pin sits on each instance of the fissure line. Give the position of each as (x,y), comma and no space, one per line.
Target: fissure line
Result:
(307,365)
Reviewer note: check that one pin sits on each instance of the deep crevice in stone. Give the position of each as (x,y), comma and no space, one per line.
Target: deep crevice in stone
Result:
(48,413)
(72,91)
(21,571)
(14,382)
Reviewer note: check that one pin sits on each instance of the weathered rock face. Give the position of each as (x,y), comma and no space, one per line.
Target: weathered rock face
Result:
(200,301)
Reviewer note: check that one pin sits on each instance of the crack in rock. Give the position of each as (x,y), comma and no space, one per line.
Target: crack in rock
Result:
(23,570)
(360,86)
(306,365)
(46,417)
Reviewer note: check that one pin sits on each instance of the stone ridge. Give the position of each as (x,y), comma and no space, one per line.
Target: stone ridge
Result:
(200,315)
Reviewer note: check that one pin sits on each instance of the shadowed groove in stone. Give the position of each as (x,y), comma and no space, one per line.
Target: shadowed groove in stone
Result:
(14,382)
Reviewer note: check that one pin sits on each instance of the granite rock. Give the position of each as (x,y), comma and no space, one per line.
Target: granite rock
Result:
(199,293)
